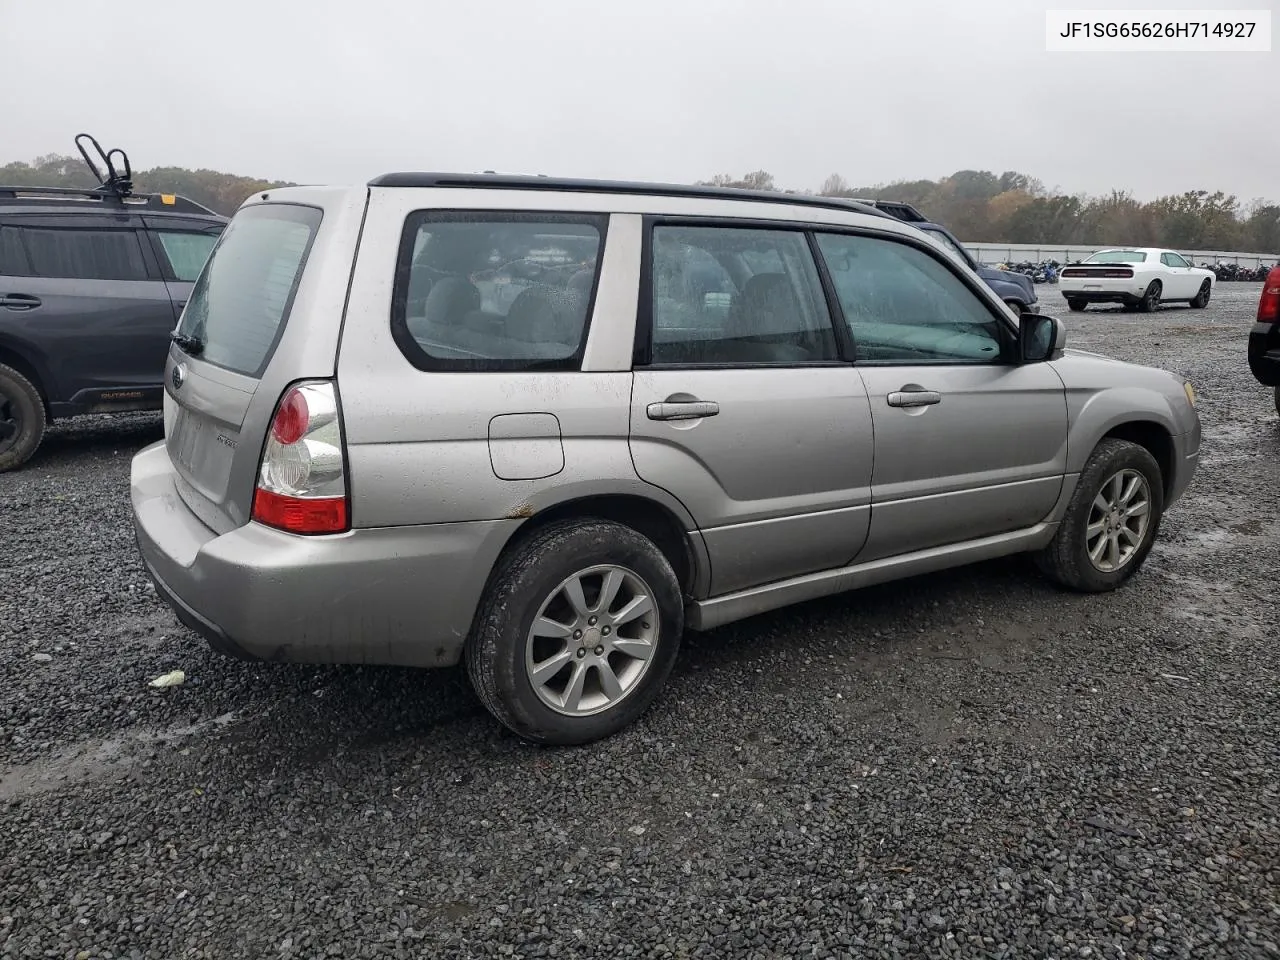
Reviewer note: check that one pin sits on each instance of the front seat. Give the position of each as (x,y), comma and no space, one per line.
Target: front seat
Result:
(767,307)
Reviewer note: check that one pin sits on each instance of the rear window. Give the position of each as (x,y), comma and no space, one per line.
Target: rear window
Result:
(495,291)
(239,305)
(1117,256)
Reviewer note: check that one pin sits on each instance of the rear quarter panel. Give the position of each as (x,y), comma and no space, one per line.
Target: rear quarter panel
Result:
(429,447)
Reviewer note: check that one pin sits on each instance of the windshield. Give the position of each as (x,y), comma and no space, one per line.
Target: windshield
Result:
(1117,256)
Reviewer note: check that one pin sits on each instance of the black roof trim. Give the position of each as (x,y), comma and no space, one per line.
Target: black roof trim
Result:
(898,209)
(138,202)
(510,182)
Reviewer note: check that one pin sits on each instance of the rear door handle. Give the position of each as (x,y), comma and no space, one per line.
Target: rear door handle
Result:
(682,409)
(914,398)
(19,301)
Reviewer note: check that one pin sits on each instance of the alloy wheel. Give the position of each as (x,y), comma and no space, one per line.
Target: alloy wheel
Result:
(592,640)
(1119,519)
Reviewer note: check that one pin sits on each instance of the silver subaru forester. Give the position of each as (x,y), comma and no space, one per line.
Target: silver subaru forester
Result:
(543,426)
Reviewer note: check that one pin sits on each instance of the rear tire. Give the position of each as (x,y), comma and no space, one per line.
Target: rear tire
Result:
(1073,559)
(1150,301)
(1076,306)
(22,419)
(1202,298)
(517,638)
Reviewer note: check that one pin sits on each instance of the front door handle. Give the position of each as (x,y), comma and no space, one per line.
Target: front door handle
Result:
(682,409)
(914,398)
(19,301)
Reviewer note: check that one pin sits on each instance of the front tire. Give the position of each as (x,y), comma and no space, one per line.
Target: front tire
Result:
(577,632)
(1110,524)
(1150,301)
(1202,298)
(1278,400)
(1076,306)
(22,419)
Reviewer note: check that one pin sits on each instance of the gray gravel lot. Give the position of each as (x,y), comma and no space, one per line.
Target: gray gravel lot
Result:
(970,764)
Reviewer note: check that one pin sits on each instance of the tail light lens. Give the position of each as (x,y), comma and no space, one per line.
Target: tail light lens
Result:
(1269,305)
(302,481)
(1110,273)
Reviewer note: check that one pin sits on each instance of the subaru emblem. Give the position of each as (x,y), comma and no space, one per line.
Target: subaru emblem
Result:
(179,376)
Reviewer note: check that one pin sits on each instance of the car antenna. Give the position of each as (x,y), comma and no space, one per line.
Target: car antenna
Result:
(115,177)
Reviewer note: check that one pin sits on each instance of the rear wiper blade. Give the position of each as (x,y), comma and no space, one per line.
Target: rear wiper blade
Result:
(192,345)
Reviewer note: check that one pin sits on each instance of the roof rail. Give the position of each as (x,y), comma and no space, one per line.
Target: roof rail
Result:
(478,181)
(168,202)
(897,209)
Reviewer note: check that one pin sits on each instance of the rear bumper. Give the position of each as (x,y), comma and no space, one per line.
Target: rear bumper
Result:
(1075,291)
(395,595)
(1264,353)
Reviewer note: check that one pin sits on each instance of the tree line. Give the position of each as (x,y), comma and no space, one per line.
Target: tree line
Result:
(221,192)
(977,205)
(980,206)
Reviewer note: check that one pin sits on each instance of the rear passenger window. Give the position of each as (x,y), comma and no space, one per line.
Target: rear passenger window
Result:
(13,258)
(733,296)
(84,254)
(503,291)
(186,252)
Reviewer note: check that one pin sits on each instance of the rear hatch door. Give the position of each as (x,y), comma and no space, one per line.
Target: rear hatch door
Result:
(260,316)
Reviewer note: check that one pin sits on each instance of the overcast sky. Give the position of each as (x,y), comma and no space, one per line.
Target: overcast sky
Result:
(876,90)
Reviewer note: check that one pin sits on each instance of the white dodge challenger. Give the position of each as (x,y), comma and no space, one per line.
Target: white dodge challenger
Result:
(1139,277)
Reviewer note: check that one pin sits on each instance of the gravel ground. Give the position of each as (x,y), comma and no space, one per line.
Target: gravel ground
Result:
(970,764)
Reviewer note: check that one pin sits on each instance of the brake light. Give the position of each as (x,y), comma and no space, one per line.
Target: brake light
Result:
(1110,273)
(302,480)
(1269,305)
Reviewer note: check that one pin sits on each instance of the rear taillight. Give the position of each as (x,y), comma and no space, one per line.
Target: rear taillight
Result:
(1110,273)
(1269,305)
(302,481)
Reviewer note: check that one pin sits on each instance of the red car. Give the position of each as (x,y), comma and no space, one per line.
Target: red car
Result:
(1264,341)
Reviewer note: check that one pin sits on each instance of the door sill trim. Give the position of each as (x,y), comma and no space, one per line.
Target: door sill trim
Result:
(717,611)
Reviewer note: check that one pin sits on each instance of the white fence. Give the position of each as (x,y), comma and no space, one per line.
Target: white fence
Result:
(993,253)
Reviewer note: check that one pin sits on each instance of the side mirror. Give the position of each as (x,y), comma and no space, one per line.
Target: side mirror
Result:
(1041,338)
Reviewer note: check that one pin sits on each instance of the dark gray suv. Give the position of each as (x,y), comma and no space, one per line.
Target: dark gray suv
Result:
(91,285)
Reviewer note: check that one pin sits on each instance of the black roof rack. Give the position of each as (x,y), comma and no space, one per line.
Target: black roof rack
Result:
(115,186)
(897,209)
(479,181)
(167,202)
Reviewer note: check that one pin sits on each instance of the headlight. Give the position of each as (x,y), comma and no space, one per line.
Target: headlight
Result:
(1191,392)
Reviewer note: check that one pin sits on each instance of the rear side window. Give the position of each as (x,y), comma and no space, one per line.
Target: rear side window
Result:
(82,254)
(13,258)
(496,291)
(239,306)
(735,296)
(186,252)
